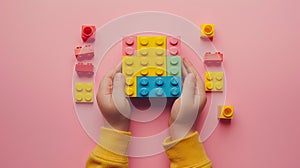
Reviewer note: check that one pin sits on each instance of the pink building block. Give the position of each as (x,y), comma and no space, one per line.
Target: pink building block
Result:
(85,52)
(84,69)
(129,46)
(213,58)
(173,46)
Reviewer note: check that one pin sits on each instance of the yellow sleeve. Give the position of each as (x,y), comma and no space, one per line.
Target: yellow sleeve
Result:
(111,150)
(188,152)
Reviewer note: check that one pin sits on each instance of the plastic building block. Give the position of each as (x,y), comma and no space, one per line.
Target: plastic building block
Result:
(214,81)
(173,46)
(85,52)
(159,86)
(84,92)
(213,59)
(129,45)
(207,31)
(151,52)
(173,66)
(88,33)
(84,69)
(151,45)
(225,112)
(143,66)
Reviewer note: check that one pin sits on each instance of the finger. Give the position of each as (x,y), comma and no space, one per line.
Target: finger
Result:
(118,67)
(184,71)
(118,95)
(199,82)
(105,87)
(188,90)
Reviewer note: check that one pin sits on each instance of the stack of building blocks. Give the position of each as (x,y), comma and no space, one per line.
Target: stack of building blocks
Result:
(207,31)
(84,92)
(226,112)
(214,81)
(151,62)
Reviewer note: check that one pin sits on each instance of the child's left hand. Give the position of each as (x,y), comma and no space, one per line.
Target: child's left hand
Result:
(113,102)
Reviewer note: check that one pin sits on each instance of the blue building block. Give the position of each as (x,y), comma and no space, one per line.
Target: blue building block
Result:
(173,66)
(159,86)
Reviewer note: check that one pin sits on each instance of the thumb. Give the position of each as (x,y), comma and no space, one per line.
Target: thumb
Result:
(189,86)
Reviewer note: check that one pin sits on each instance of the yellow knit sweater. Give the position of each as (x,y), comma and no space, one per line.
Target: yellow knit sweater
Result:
(183,153)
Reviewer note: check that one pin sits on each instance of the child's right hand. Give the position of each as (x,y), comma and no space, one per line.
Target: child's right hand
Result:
(112,100)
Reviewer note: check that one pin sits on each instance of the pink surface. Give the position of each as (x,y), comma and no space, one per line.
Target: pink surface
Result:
(259,39)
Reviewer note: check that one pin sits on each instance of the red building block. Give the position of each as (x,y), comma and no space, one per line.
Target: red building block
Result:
(173,46)
(85,52)
(129,46)
(88,33)
(84,69)
(213,59)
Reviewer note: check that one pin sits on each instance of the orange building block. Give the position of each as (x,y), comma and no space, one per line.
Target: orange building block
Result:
(88,33)
(225,112)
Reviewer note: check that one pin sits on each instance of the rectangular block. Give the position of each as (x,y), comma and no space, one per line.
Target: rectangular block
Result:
(214,81)
(173,46)
(143,66)
(84,69)
(174,66)
(213,58)
(84,92)
(159,86)
(151,52)
(226,112)
(207,31)
(129,45)
(84,52)
(151,45)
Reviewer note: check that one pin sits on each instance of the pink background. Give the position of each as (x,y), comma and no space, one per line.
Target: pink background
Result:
(38,125)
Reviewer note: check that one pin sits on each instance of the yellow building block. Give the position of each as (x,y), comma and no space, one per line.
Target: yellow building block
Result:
(207,31)
(214,81)
(151,45)
(226,112)
(151,52)
(84,92)
(141,66)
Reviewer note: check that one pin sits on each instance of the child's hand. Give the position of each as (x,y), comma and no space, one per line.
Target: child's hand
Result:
(112,101)
(192,101)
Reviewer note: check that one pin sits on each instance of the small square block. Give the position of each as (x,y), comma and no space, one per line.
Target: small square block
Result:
(207,31)
(88,33)
(226,112)
(129,46)
(173,66)
(173,46)
(155,86)
(84,92)
(214,81)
